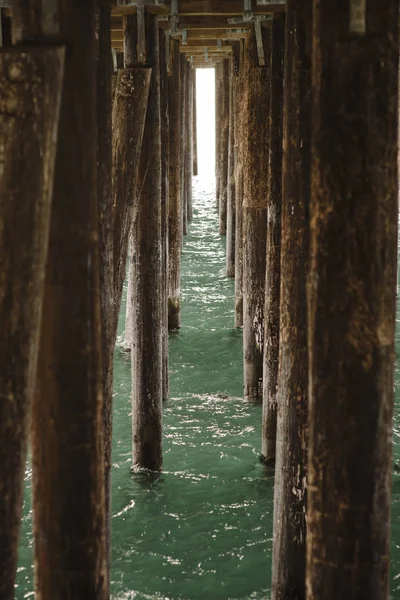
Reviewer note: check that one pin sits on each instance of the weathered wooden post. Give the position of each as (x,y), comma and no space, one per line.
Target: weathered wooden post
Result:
(231,200)
(255,184)
(183,144)
(164,41)
(224,145)
(30,93)
(106,219)
(129,113)
(218,129)
(240,111)
(129,308)
(5,29)
(194,138)
(175,213)
(273,260)
(147,367)
(189,144)
(67,422)
(288,568)
(352,298)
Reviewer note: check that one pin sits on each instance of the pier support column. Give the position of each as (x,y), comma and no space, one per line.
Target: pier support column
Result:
(30,90)
(129,113)
(240,109)
(164,202)
(189,151)
(273,260)
(352,299)
(231,201)
(183,143)
(224,145)
(67,423)
(127,343)
(174,210)
(194,138)
(218,130)
(255,183)
(147,368)
(288,561)
(106,220)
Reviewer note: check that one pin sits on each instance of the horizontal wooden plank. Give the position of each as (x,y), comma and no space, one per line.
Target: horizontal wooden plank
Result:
(117,37)
(207,34)
(205,22)
(224,7)
(204,7)
(201,49)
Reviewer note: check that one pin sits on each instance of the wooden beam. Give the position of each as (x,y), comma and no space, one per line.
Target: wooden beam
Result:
(205,22)
(200,49)
(204,7)
(118,38)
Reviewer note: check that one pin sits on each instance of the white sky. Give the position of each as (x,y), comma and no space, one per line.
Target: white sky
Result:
(206,122)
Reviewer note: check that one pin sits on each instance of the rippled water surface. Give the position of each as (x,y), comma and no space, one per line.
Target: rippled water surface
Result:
(202,529)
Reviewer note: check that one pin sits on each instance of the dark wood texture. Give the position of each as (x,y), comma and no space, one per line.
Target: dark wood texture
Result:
(129,113)
(6,38)
(231,201)
(105,207)
(130,40)
(218,130)
(147,389)
(224,144)
(183,143)
(164,202)
(255,189)
(30,84)
(239,101)
(67,425)
(194,139)
(189,152)
(352,300)
(32,22)
(175,213)
(288,560)
(273,260)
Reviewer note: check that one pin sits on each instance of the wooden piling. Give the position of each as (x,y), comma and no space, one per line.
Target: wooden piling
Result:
(130,29)
(124,230)
(30,93)
(273,259)
(67,424)
(194,138)
(147,368)
(224,146)
(106,219)
(129,308)
(352,299)
(175,213)
(129,112)
(240,111)
(255,185)
(183,144)
(231,200)
(5,25)
(164,201)
(288,568)
(218,130)
(190,144)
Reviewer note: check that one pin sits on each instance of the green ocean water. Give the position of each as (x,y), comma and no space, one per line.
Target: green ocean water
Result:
(203,528)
